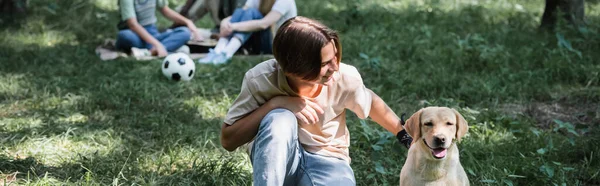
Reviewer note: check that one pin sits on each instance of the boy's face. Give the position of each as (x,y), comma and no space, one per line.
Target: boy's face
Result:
(329,64)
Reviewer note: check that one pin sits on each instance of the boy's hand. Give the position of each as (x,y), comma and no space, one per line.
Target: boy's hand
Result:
(196,36)
(159,50)
(306,111)
(225,29)
(402,136)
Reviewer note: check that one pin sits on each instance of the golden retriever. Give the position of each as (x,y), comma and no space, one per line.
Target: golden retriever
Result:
(433,156)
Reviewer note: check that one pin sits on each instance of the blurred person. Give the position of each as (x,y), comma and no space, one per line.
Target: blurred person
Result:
(138,33)
(254,20)
(197,9)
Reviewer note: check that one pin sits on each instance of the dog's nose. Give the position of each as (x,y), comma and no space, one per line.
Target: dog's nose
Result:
(440,140)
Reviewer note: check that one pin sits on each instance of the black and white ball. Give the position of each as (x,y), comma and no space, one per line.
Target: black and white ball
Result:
(178,66)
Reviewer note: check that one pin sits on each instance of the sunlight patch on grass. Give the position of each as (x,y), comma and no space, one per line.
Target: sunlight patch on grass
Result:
(505,6)
(210,108)
(332,6)
(15,109)
(20,123)
(13,84)
(106,5)
(486,133)
(74,118)
(52,101)
(181,158)
(45,38)
(42,180)
(66,147)
(486,130)
(592,10)
(102,116)
(204,160)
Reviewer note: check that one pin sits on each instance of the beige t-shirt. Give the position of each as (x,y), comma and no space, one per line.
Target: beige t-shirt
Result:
(328,137)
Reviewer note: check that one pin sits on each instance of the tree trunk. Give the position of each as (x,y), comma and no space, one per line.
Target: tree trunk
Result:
(572,10)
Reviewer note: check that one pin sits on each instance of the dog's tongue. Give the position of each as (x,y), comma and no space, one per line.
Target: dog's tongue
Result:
(439,153)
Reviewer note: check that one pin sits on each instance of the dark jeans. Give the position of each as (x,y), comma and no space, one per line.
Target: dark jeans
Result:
(172,39)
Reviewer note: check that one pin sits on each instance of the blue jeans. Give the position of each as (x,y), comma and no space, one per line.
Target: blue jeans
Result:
(262,40)
(279,159)
(172,39)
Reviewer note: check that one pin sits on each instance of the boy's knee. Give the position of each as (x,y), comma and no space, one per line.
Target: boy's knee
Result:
(280,121)
(280,115)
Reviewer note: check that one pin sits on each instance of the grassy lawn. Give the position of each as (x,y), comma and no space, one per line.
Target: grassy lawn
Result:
(532,98)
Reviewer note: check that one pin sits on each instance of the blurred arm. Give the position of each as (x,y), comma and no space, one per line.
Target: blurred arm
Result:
(179,19)
(257,25)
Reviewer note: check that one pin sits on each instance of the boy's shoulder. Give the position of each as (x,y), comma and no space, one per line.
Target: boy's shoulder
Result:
(348,77)
(267,67)
(349,71)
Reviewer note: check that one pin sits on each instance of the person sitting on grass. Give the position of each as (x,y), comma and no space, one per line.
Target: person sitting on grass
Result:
(137,29)
(197,9)
(291,111)
(256,17)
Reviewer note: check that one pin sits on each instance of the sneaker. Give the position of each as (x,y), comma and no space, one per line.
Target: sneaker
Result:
(106,54)
(220,59)
(183,49)
(140,52)
(208,59)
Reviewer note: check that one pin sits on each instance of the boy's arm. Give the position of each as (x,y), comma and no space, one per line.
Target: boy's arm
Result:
(246,128)
(179,19)
(256,25)
(243,130)
(383,115)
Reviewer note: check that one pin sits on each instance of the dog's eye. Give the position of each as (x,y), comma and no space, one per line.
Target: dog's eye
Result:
(429,124)
(448,123)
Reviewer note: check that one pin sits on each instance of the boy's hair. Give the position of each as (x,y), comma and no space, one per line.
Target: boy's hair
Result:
(297,46)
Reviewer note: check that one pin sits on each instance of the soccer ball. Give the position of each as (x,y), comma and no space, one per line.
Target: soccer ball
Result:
(178,66)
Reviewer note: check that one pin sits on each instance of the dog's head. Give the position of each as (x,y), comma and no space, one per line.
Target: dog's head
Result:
(436,127)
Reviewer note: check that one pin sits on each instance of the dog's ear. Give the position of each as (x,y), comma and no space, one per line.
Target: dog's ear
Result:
(461,125)
(413,126)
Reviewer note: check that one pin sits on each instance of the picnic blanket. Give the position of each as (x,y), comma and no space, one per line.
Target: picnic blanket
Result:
(195,49)
(107,50)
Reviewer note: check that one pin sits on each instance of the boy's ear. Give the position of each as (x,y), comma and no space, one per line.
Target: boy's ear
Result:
(413,126)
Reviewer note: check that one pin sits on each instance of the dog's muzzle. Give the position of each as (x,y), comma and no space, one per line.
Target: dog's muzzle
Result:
(437,153)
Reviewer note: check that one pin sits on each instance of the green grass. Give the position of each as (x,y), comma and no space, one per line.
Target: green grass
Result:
(531,98)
